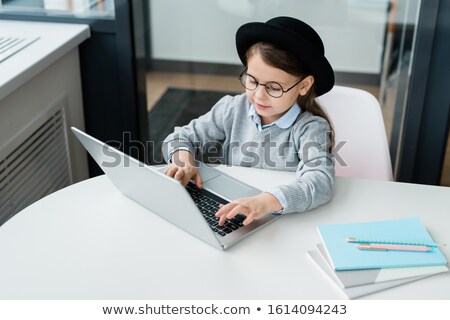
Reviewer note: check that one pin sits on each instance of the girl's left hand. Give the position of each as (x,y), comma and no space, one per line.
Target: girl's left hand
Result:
(253,208)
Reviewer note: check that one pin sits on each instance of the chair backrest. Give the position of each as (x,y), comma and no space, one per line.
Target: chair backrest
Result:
(361,148)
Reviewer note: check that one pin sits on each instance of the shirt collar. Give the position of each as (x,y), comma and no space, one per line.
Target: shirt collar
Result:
(284,122)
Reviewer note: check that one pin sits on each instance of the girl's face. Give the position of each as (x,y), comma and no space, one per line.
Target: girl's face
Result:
(268,108)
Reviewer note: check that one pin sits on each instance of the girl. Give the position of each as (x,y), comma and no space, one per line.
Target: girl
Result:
(275,124)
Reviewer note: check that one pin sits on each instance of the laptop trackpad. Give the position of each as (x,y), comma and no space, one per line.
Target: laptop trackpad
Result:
(205,171)
(227,188)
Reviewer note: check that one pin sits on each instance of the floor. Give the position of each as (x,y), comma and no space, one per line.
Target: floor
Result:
(159,82)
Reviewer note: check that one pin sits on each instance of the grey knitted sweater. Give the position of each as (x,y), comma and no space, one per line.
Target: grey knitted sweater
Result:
(303,148)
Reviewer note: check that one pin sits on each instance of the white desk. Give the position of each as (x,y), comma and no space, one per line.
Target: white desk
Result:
(88,241)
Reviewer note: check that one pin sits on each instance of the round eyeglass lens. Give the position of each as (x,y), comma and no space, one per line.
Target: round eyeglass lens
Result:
(274,89)
(249,82)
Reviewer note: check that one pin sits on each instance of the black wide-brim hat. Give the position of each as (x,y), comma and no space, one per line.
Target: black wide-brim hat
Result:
(292,35)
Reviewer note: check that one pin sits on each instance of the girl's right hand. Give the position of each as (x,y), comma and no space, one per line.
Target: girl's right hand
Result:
(183,168)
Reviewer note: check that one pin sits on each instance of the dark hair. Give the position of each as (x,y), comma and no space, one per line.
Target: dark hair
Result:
(284,60)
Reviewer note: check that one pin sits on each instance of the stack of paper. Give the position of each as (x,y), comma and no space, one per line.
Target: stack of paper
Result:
(359,272)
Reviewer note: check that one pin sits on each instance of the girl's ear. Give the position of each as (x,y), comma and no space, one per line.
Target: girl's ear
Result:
(305,85)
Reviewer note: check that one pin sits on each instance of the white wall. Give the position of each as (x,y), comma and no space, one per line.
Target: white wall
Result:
(204,30)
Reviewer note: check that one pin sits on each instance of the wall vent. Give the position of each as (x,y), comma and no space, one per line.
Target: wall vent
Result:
(37,165)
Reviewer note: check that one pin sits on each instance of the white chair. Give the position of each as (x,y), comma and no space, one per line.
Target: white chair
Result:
(361,148)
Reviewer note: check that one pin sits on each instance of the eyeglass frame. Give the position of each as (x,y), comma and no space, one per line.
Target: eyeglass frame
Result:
(265,84)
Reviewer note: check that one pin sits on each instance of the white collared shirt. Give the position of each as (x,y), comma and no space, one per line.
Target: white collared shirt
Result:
(284,122)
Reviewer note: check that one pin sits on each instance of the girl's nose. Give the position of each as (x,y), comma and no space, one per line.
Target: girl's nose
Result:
(261,92)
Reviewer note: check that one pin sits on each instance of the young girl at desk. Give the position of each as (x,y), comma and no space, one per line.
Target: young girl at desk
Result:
(275,124)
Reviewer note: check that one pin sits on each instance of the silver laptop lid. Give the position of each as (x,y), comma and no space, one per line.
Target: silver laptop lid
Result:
(155,191)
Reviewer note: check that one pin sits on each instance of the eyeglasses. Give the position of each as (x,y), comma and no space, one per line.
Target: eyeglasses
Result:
(273,89)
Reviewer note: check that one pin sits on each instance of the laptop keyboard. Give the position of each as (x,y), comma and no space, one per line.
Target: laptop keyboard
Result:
(208,203)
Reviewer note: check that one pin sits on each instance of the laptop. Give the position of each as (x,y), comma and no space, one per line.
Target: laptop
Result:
(189,208)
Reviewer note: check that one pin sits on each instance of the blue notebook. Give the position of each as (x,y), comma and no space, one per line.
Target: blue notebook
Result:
(346,256)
